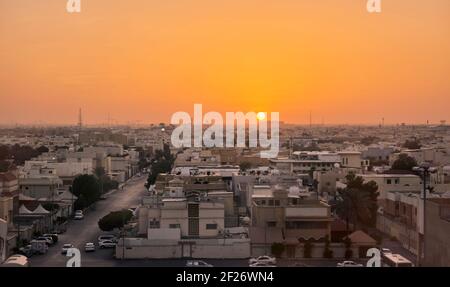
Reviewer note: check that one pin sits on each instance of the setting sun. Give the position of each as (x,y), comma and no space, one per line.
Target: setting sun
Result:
(261,116)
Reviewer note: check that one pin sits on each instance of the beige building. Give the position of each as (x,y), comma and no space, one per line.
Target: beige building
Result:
(437,243)
(6,209)
(40,187)
(353,160)
(394,183)
(194,219)
(295,215)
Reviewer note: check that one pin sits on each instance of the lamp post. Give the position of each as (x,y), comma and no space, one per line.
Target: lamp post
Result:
(425,170)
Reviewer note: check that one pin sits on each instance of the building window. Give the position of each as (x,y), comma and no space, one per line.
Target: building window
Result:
(277,202)
(271,224)
(211,226)
(174,226)
(397,181)
(389,181)
(270,202)
(154,224)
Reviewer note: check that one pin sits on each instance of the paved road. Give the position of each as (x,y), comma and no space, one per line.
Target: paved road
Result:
(86,230)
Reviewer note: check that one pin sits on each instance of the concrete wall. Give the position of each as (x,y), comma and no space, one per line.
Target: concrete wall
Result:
(138,248)
(297,251)
(437,240)
(407,236)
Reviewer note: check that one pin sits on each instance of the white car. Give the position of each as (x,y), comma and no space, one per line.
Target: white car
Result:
(197,263)
(66,247)
(89,247)
(78,215)
(349,264)
(109,237)
(263,259)
(106,244)
(261,264)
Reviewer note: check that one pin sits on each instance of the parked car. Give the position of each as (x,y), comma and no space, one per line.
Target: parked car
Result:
(349,264)
(78,215)
(107,237)
(16,260)
(261,264)
(299,264)
(385,251)
(66,247)
(263,259)
(89,247)
(107,244)
(49,240)
(53,236)
(39,246)
(26,251)
(197,263)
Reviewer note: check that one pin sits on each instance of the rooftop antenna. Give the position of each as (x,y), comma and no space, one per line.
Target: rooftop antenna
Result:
(310,119)
(80,119)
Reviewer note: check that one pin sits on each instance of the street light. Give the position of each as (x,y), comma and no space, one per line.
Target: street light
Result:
(426,170)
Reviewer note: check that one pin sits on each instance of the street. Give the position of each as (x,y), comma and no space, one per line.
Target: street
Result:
(81,231)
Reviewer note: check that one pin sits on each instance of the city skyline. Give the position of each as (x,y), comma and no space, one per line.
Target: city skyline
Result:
(143,61)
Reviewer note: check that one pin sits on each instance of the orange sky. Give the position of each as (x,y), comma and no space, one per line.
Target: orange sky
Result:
(142,60)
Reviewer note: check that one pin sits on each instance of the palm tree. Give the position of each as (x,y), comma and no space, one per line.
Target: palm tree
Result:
(357,203)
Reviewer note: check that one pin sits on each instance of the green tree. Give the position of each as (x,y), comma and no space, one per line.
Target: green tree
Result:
(327,252)
(404,163)
(115,219)
(368,140)
(277,249)
(105,182)
(412,144)
(4,152)
(42,149)
(4,165)
(358,202)
(245,165)
(20,154)
(87,189)
(348,249)
(307,249)
(162,163)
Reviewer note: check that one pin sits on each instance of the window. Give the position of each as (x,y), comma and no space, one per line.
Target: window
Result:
(271,224)
(277,202)
(397,181)
(306,225)
(173,226)
(210,226)
(154,224)
(389,181)
(270,202)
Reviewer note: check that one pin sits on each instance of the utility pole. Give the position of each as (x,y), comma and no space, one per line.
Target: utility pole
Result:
(80,119)
(426,170)
(310,119)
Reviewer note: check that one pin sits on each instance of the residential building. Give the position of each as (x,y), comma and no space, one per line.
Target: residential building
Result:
(437,243)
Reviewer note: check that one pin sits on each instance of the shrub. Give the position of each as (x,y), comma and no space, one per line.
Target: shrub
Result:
(115,219)
(307,249)
(277,249)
